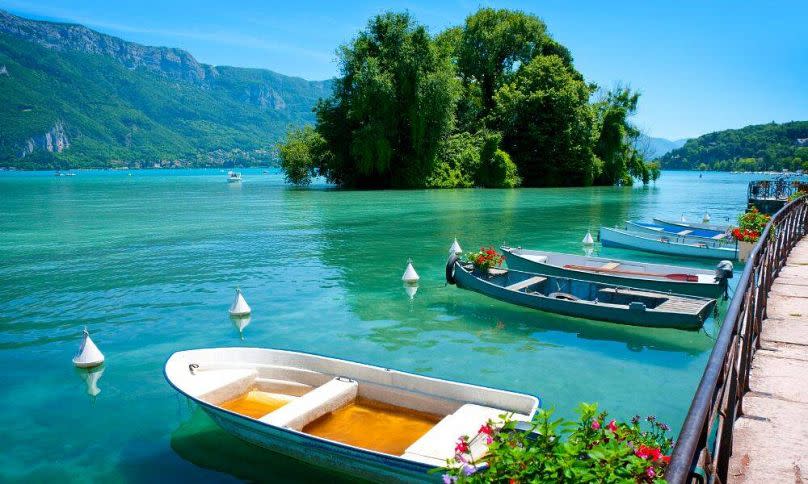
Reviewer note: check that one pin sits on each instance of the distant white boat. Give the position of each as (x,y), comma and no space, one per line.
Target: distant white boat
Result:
(371,422)
(233,177)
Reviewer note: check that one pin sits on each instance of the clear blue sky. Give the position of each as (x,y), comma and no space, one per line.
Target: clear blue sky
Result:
(701,65)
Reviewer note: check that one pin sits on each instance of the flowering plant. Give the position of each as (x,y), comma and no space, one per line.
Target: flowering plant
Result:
(485,258)
(750,225)
(555,450)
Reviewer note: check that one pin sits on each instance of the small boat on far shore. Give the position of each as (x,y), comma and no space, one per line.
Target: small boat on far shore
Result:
(233,177)
(641,275)
(662,244)
(371,422)
(583,299)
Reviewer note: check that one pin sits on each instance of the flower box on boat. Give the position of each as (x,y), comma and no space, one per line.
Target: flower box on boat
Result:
(368,421)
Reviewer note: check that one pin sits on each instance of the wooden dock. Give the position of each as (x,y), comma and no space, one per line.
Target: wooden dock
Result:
(770,438)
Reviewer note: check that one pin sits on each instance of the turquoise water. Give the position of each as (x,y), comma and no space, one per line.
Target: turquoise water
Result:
(148,263)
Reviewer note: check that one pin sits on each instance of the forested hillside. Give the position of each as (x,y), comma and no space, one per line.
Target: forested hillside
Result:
(753,148)
(72,97)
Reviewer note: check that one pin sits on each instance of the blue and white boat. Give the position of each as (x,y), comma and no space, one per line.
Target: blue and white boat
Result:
(642,275)
(663,244)
(693,225)
(371,422)
(583,299)
(680,234)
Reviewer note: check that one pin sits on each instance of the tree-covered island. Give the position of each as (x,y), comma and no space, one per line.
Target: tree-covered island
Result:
(496,102)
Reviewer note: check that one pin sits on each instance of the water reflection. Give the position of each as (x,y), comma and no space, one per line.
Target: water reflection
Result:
(201,442)
(241,322)
(91,376)
(410,290)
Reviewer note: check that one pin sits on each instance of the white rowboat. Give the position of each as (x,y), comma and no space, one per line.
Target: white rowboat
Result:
(372,422)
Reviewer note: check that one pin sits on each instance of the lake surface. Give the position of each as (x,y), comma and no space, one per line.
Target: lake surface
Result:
(149,261)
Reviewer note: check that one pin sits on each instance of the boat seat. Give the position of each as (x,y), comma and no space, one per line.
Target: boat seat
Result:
(718,236)
(610,265)
(322,400)
(438,444)
(217,386)
(633,292)
(527,282)
(684,232)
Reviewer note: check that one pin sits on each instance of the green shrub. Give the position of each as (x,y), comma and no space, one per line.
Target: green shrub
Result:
(556,450)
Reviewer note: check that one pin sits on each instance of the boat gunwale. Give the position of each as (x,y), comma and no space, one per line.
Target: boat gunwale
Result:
(627,276)
(646,229)
(671,242)
(328,442)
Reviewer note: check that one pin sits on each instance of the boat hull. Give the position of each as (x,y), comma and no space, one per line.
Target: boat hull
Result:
(692,225)
(619,238)
(710,290)
(695,235)
(582,309)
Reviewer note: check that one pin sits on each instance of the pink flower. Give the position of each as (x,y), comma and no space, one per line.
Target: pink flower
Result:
(612,426)
(596,425)
(462,446)
(486,429)
(650,472)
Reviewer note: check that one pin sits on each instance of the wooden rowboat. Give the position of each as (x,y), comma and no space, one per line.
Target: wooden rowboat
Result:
(661,244)
(374,423)
(641,275)
(585,299)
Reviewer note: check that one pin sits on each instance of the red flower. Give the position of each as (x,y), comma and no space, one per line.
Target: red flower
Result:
(666,459)
(462,446)
(486,429)
(595,425)
(612,426)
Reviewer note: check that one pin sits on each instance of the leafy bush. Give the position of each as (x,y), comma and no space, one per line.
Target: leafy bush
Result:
(751,225)
(557,450)
(302,155)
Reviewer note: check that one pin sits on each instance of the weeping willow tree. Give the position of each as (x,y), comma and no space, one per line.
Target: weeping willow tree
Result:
(391,108)
(616,137)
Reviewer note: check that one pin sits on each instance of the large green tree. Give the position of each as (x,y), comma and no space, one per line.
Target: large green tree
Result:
(547,123)
(616,138)
(391,108)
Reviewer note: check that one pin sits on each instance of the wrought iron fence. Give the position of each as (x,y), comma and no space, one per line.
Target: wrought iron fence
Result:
(778,189)
(704,446)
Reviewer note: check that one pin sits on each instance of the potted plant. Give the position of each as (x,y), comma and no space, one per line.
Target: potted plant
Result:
(486,260)
(750,226)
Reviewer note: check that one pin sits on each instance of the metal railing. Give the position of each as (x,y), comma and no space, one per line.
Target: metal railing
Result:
(702,452)
(778,189)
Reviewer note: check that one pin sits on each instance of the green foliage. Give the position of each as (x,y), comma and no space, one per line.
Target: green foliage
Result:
(547,123)
(115,116)
(302,155)
(619,157)
(560,451)
(753,148)
(391,109)
(753,220)
(654,170)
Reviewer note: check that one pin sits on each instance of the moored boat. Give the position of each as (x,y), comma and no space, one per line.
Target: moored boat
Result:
(663,244)
(679,233)
(584,299)
(233,177)
(641,275)
(372,422)
(693,225)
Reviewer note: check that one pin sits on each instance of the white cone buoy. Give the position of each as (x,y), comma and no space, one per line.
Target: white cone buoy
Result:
(588,240)
(89,355)
(239,306)
(455,248)
(706,217)
(411,289)
(410,276)
(241,322)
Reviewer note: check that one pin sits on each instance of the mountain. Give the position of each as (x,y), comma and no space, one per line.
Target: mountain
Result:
(657,147)
(753,148)
(74,97)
